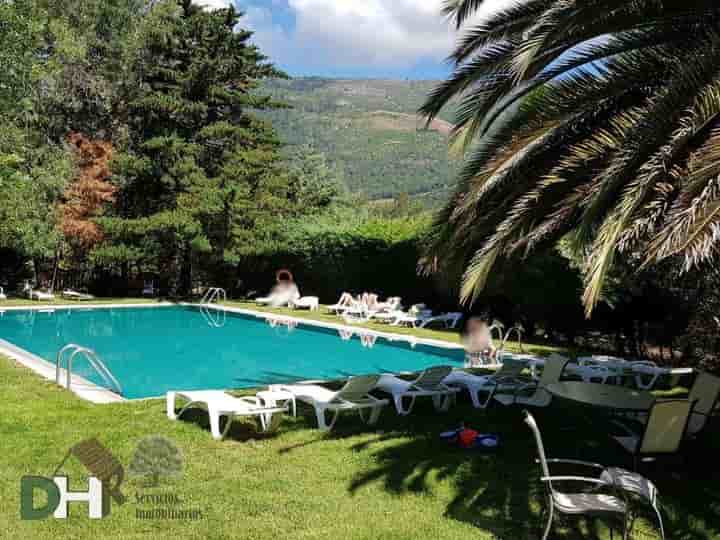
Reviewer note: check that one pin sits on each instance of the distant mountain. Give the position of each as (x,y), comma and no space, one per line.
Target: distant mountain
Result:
(369,131)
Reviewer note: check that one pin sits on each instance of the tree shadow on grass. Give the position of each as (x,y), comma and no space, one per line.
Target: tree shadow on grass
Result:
(243,429)
(501,492)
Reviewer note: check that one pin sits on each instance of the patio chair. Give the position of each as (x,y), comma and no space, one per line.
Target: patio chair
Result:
(353,396)
(593,503)
(705,392)
(149,288)
(635,484)
(534,393)
(663,433)
(505,378)
(428,384)
(2,294)
(218,403)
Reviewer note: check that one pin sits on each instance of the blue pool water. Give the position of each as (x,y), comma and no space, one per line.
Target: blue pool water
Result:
(153,350)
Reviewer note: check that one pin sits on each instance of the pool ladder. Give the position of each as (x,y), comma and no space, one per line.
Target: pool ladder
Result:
(92,358)
(214,294)
(518,330)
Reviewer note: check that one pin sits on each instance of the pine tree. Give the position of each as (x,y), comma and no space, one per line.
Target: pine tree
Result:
(196,163)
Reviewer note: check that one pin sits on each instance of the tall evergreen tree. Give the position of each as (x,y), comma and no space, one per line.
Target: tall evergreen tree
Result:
(197,166)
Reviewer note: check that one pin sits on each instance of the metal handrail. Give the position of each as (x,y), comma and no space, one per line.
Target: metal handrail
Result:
(217,319)
(92,358)
(498,327)
(518,329)
(214,294)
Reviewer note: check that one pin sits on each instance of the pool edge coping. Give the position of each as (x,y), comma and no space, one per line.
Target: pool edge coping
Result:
(79,386)
(93,393)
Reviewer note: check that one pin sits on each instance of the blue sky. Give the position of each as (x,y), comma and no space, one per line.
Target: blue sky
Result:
(352,38)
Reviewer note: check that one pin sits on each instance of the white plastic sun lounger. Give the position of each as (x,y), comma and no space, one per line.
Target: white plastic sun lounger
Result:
(504,379)
(219,403)
(2,294)
(346,301)
(74,295)
(414,318)
(535,394)
(428,384)
(450,320)
(353,396)
(41,296)
(311,303)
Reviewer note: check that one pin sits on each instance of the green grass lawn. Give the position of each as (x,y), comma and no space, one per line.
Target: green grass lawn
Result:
(396,481)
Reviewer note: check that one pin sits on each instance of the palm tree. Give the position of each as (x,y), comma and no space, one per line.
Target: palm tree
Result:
(594,121)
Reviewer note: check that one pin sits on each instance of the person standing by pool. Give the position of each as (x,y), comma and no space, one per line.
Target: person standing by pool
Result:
(479,348)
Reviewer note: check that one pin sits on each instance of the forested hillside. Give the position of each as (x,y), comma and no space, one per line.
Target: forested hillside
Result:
(370,133)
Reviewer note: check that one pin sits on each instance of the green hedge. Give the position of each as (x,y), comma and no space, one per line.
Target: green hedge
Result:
(328,257)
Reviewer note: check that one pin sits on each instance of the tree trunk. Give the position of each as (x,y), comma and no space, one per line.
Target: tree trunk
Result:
(186,272)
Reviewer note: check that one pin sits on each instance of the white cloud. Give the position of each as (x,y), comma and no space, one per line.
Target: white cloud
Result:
(213,4)
(346,33)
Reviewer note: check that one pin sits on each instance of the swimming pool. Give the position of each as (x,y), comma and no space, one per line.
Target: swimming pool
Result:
(151,350)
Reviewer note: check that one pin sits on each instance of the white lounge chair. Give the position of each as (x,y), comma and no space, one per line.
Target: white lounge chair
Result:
(2,294)
(392,303)
(589,502)
(534,393)
(415,316)
(387,311)
(428,384)
(69,294)
(41,296)
(311,303)
(354,396)
(504,379)
(356,312)
(647,374)
(450,320)
(346,300)
(388,317)
(218,403)
(282,297)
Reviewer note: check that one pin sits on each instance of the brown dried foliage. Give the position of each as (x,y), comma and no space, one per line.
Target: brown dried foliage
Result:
(85,197)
